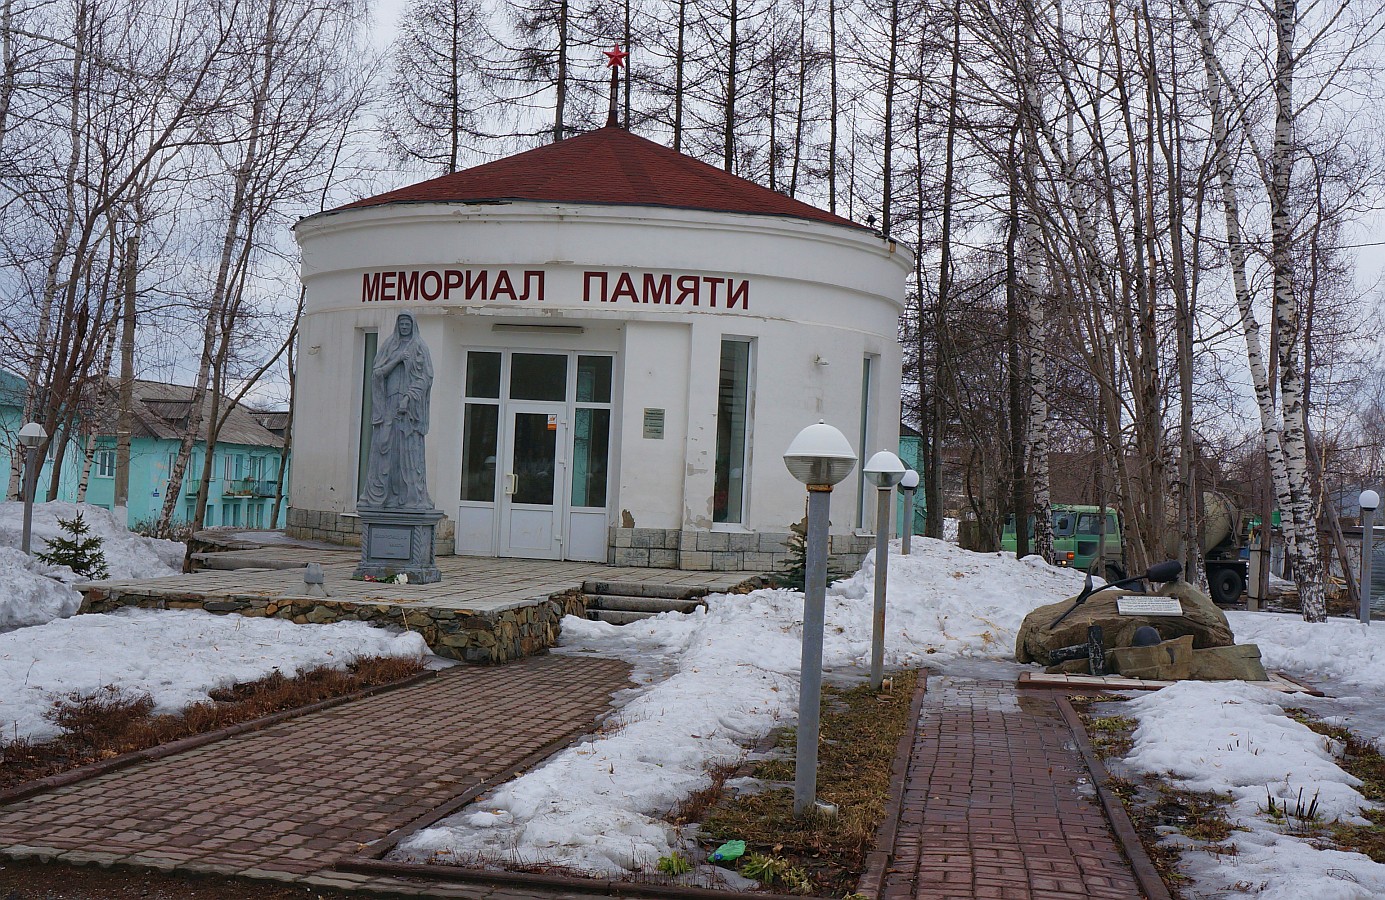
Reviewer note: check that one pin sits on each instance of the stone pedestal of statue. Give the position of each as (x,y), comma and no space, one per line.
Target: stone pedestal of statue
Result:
(398,542)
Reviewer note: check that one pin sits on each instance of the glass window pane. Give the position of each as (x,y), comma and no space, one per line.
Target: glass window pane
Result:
(535,459)
(538,376)
(867,403)
(593,379)
(483,374)
(478,452)
(367,409)
(591,441)
(732,395)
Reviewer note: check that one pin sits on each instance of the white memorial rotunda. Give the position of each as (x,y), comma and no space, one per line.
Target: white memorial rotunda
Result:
(624,341)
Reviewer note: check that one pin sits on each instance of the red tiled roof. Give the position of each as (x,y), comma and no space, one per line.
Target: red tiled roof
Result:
(608,166)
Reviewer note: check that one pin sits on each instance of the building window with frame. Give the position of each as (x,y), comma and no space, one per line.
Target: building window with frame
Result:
(591,432)
(733,431)
(367,409)
(481,425)
(867,424)
(105,463)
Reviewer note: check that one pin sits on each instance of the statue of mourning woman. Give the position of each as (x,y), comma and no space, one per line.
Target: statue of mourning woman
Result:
(397,517)
(401,383)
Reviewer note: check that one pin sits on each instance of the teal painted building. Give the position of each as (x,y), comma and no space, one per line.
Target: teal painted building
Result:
(910,453)
(245,465)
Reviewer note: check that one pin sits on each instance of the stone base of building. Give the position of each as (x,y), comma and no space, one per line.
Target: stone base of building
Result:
(465,635)
(654,548)
(722,551)
(345,529)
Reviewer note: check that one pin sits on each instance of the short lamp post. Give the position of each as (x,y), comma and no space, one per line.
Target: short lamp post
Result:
(1369,502)
(820,457)
(30,437)
(907,486)
(884,470)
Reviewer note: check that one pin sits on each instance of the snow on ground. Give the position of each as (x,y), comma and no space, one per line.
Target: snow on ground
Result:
(32,593)
(1342,651)
(175,656)
(718,681)
(1233,738)
(128,555)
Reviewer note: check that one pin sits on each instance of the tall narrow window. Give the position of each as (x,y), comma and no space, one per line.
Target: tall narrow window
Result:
(481,426)
(367,409)
(867,422)
(591,432)
(733,406)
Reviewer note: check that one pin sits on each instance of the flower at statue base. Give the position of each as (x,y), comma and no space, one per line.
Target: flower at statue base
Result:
(401,578)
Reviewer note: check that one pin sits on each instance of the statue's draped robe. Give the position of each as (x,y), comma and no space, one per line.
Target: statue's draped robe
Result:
(401,382)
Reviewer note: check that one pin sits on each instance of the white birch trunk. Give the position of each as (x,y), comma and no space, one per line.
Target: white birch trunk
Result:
(1303,549)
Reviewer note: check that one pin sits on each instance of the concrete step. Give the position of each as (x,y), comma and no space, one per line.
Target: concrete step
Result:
(643,589)
(641,604)
(617,616)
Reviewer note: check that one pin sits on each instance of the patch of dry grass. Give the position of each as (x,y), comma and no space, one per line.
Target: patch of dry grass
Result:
(104,724)
(1362,759)
(859,733)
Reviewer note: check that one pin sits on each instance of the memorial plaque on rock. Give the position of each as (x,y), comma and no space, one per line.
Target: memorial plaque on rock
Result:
(1148,606)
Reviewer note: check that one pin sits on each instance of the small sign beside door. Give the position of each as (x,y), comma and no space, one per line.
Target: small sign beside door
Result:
(552,422)
(653,424)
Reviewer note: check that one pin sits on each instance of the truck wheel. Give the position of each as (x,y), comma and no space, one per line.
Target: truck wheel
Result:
(1113,573)
(1226,585)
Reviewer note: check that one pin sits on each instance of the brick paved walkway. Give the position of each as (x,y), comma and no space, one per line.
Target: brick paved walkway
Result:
(293,799)
(999,804)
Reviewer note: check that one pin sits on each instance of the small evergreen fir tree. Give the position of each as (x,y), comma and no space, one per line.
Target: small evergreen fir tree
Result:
(793,572)
(80,551)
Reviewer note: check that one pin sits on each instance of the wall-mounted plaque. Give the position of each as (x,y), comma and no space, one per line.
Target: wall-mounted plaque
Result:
(654,424)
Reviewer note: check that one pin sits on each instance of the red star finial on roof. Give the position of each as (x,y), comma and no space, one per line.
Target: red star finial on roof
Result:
(615,57)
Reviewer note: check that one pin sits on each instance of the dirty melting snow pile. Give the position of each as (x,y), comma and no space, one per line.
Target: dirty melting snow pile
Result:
(714,682)
(175,656)
(32,593)
(1234,739)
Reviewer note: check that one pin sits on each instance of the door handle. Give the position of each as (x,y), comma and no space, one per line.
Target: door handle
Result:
(511,483)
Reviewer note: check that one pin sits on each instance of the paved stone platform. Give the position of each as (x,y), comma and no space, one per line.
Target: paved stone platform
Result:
(483,610)
(998,803)
(286,803)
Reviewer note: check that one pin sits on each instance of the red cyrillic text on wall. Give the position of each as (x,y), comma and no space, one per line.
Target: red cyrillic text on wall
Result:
(488,286)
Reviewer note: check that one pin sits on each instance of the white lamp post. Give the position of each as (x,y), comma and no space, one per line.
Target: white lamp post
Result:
(884,470)
(30,436)
(907,485)
(820,457)
(1368,501)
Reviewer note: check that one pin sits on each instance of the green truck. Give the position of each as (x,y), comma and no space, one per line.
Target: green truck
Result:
(1075,543)
(1076,539)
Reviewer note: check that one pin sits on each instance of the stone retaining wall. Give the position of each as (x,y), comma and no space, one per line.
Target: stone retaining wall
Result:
(469,636)
(722,551)
(345,529)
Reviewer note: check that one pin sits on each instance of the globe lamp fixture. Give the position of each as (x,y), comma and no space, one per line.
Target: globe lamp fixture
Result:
(820,455)
(910,481)
(884,469)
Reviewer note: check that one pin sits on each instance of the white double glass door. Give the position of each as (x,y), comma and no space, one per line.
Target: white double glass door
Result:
(535,454)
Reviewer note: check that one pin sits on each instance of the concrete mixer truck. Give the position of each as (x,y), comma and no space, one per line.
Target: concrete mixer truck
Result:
(1222,543)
